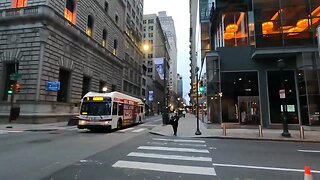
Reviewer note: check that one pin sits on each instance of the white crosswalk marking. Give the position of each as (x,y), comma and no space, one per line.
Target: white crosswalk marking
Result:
(139,130)
(173,157)
(166,156)
(195,145)
(179,140)
(173,149)
(127,129)
(166,168)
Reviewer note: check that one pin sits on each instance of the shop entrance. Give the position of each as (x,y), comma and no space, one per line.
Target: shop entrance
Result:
(248,111)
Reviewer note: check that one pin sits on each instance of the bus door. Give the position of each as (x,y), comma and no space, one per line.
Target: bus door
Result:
(114,114)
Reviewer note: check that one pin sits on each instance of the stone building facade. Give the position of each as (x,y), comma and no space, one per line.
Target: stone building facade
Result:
(78,43)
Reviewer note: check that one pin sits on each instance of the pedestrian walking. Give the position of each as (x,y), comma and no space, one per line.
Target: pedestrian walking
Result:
(174,123)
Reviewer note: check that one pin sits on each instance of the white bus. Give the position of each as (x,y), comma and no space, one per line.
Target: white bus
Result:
(109,111)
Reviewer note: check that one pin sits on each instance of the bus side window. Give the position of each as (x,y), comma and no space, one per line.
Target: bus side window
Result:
(120,112)
(141,109)
(114,108)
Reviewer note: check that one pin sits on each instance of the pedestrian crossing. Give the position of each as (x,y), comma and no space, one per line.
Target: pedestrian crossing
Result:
(134,130)
(9,131)
(181,156)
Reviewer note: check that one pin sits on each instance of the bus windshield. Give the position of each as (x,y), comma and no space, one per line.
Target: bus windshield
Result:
(96,108)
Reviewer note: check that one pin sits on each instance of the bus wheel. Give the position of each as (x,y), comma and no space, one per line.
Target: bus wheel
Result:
(119,124)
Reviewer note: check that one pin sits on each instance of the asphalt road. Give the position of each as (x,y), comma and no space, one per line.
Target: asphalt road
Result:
(135,154)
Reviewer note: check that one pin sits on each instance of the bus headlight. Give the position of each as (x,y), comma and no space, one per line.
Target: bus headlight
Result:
(106,122)
(82,122)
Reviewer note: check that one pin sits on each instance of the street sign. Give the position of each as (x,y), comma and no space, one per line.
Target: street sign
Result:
(282,93)
(53,86)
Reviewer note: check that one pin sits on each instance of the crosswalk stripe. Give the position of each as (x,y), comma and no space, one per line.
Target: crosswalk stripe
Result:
(166,168)
(179,140)
(166,156)
(173,149)
(124,130)
(195,145)
(139,130)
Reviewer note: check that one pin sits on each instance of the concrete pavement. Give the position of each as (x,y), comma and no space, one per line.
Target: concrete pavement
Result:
(187,128)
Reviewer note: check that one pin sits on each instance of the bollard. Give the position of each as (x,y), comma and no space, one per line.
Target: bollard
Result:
(260,131)
(301,132)
(224,129)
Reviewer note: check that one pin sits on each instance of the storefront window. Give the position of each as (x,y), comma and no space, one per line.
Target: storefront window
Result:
(267,23)
(274,85)
(296,23)
(235,28)
(240,97)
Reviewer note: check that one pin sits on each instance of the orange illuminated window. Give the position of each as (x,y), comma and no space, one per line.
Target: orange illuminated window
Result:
(19,3)
(115,47)
(69,12)
(89,29)
(104,38)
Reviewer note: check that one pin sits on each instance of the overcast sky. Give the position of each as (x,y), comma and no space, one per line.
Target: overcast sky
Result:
(179,10)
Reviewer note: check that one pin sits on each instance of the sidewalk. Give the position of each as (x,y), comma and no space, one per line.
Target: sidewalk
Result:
(36,127)
(187,128)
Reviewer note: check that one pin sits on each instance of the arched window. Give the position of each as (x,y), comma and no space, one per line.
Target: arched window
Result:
(115,47)
(104,38)
(69,12)
(90,26)
(106,6)
(19,3)
(116,18)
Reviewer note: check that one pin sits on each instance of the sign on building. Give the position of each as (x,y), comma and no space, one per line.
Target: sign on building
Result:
(53,86)
(150,95)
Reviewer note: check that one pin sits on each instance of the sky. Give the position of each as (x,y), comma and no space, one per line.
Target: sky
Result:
(179,10)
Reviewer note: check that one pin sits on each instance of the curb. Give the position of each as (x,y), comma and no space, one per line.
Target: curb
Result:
(241,138)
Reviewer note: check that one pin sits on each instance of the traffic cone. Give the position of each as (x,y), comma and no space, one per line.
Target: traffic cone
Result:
(307,173)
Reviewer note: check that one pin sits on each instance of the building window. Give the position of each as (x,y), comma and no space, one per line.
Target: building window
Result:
(150,63)
(116,18)
(85,85)
(150,28)
(150,55)
(64,79)
(144,28)
(19,3)
(106,6)
(143,92)
(150,35)
(144,35)
(69,12)
(149,70)
(90,26)
(104,38)
(150,21)
(144,21)
(115,47)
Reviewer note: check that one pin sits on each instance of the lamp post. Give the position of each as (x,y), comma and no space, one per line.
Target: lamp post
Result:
(197,102)
(281,64)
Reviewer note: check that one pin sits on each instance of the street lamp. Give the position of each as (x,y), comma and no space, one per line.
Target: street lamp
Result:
(197,102)
(104,89)
(281,64)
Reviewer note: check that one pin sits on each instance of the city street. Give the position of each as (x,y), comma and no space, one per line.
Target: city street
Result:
(133,153)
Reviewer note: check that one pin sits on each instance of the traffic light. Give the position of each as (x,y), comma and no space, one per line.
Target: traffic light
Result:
(201,87)
(11,89)
(194,89)
(17,88)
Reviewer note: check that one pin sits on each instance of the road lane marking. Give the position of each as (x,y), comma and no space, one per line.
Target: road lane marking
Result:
(128,129)
(166,168)
(262,168)
(309,151)
(195,145)
(173,149)
(139,130)
(179,140)
(166,156)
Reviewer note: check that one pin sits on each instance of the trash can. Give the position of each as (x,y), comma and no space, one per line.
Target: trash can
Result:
(14,113)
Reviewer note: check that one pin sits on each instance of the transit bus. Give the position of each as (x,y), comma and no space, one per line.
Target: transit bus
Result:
(109,111)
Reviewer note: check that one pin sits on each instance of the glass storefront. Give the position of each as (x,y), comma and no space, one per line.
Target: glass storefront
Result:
(275,104)
(240,97)
(286,22)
